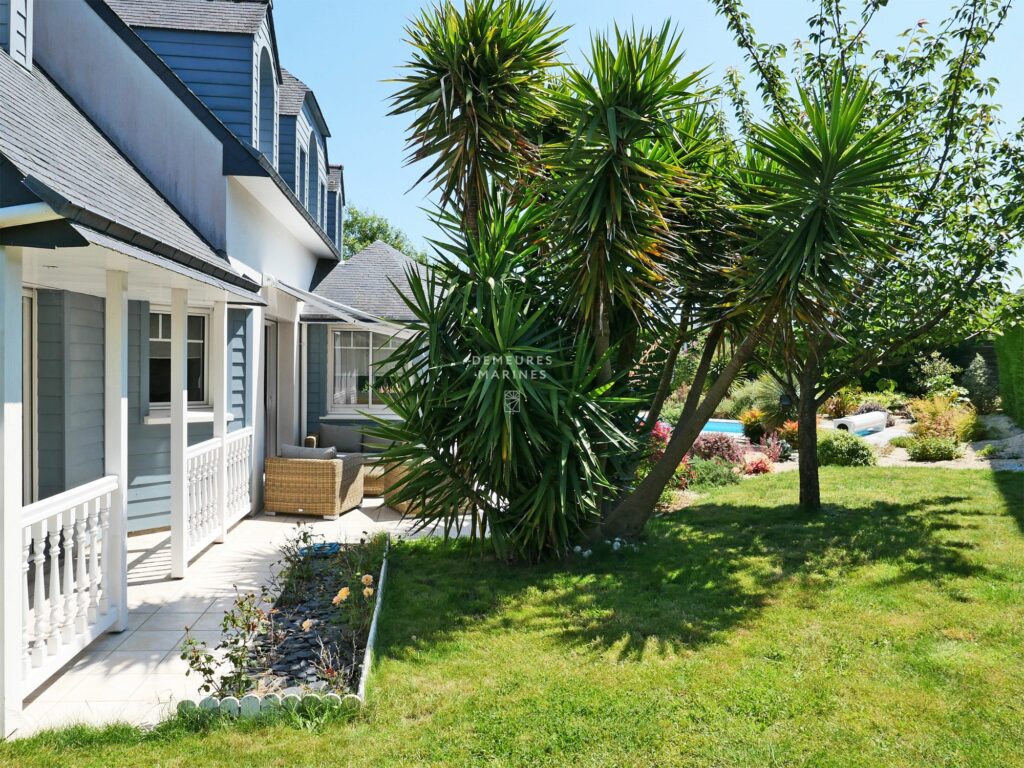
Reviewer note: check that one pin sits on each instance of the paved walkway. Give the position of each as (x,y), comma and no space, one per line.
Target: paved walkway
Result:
(136,676)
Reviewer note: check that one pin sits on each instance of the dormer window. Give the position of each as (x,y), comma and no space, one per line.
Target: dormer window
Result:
(267,120)
(313,193)
(302,189)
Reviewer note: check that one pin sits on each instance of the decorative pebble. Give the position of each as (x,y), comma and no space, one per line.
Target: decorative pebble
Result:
(577,549)
(587,553)
(616,546)
(250,705)
(229,706)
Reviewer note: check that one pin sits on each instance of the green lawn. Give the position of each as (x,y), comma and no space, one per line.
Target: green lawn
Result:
(888,631)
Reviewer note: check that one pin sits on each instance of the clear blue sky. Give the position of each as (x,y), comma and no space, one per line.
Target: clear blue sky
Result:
(346,50)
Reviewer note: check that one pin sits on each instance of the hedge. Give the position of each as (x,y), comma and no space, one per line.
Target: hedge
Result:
(1010,356)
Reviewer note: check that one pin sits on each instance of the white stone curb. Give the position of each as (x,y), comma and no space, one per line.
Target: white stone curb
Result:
(251,705)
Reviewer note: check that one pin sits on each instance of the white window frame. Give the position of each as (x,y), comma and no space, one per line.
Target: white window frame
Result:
(353,409)
(207,315)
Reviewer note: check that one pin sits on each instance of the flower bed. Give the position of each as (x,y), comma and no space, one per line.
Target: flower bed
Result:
(308,631)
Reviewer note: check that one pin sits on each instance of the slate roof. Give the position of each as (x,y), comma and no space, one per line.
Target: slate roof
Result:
(335,177)
(68,160)
(237,16)
(364,282)
(293,93)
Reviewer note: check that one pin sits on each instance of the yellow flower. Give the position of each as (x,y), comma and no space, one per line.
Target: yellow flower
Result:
(367,580)
(368,592)
(342,595)
(308,624)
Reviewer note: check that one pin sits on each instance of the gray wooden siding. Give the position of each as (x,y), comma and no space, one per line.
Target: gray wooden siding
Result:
(316,376)
(238,348)
(5,28)
(70,402)
(218,67)
(286,150)
(332,217)
(50,393)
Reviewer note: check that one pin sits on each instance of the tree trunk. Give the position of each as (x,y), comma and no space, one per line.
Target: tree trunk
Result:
(665,383)
(628,519)
(807,442)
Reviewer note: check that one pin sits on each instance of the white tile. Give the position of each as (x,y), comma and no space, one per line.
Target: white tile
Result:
(110,641)
(152,640)
(165,619)
(209,621)
(129,663)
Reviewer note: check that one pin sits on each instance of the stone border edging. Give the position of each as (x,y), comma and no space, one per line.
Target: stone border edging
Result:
(251,705)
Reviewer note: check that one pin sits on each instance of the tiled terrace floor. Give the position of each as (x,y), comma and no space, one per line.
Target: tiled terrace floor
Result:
(137,676)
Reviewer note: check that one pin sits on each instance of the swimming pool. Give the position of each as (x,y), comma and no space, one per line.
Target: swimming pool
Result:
(726,426)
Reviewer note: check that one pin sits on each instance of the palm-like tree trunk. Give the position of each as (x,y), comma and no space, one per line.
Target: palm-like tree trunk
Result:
(807,440)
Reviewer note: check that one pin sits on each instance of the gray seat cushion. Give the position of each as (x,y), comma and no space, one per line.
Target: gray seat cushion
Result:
(373,444)
(299,452)
(344,439)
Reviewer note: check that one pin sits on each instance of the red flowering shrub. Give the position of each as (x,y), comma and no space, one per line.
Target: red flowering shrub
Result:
(717,446)
(757,464)
(657,441)
(788,431)
(771,446)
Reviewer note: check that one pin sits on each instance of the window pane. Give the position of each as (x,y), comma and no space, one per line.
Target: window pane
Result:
(159,380)
(195,350)
(382,370)
(361,339)
(154,325)
(195,380)
(160,349)
(351,377)
(342,339)
(196,328)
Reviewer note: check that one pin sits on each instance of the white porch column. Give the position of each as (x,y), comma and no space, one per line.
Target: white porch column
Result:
(115,441)
(179,433)
(10,491)
(288,364)
(219,384)
(254,387)
(303,384)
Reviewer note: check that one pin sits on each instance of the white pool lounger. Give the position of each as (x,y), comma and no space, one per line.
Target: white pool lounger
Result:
(863,423)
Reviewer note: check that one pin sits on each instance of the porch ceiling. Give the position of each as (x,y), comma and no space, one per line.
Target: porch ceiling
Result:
(83,270)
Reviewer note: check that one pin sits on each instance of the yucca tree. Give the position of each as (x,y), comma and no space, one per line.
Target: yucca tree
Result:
(477,90)
(618,176)
(819,192)
(502,422)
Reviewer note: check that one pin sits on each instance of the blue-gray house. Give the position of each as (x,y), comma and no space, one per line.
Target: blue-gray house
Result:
(170,240)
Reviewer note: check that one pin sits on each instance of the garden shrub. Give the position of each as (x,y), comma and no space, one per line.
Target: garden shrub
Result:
(842,403)
(753,428)
(934,449)
(739,399)
(934,373)
(941,416)
(837,447)
(712,473)
(981,385)
(885,385)
(1010,357)
(757,464)
(775,448)
(717,446)
(789,431)
(902,441)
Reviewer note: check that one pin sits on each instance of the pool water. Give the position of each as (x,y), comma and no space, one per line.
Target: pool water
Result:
(727,426)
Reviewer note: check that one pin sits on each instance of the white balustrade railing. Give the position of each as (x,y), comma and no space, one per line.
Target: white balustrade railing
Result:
(202,512)
(206,521)
(66,582)
(239,473)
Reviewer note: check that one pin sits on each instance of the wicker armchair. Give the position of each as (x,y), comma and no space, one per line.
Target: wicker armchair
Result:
(316,487)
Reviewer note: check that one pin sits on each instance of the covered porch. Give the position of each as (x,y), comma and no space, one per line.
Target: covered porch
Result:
(69,482)
(137,675)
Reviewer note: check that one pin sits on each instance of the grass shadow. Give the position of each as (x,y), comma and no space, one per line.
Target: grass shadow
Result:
(701,572)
